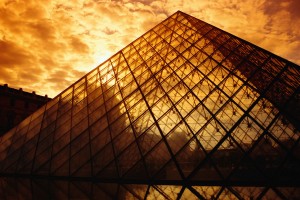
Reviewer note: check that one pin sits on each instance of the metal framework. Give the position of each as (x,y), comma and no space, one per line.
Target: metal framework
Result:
(185,111)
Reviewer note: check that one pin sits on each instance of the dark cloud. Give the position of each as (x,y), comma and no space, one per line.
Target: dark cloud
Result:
(29,77)
(12,55)
(7,74)
(78,46)
(33,13)
(41,29)
(47,62)
(77,73)
(294,7)
(109,31)
(291,6)
(9,21)
(113,47)
(111,11)
(59,78)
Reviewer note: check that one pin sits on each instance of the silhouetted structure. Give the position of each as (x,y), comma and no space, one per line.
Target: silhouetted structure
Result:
(16,105)
(185,111)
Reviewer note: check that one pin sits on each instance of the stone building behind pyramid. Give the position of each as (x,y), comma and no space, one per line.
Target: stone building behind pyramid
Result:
(186,111)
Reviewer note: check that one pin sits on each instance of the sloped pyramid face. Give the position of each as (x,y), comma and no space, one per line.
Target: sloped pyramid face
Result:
(185,111)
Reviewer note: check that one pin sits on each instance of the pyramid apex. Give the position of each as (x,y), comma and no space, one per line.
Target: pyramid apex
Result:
(179,12)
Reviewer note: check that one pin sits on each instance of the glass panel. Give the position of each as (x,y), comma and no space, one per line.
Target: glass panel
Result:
(184,104)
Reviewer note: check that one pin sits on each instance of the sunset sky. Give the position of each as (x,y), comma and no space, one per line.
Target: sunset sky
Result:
(46,45)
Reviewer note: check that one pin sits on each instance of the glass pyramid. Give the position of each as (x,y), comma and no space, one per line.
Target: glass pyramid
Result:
(186,111)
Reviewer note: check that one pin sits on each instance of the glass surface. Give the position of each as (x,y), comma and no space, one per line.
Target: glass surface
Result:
(186,111)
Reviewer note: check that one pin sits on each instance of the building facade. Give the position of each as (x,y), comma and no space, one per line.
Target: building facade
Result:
(16,105)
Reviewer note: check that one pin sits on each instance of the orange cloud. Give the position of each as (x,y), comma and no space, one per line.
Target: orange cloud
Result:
(47,45)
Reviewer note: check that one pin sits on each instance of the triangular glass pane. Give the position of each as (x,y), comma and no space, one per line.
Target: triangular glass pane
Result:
(60,162)
(208,192)
(157,158)
(25,161)
(109,172)
(190,156)
(187,194)
(264,112)
(289,192)
(156,193)
(43,169)
(15,188)
(80,162)
(206,171)
(245,97)
(102,158)
(178,138)
(128,158)
(149,139)
(170,191)
(43,153)
(271,194)
(248,192)
(137,190)
(123,193)
(40,188)
(105,191)
(247,171)
(246,133)
(137,171)
(76,190)
(268,156)
(227,157)
(229,114)
(227,194)
(168,172)
(285,132)
(210,134)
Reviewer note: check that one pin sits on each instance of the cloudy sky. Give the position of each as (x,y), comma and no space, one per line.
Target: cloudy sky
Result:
(47,45)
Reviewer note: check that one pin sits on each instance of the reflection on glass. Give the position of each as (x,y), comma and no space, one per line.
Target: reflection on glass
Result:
(182,112)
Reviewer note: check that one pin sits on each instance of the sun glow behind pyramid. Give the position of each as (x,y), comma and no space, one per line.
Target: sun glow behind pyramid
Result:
(183,107)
